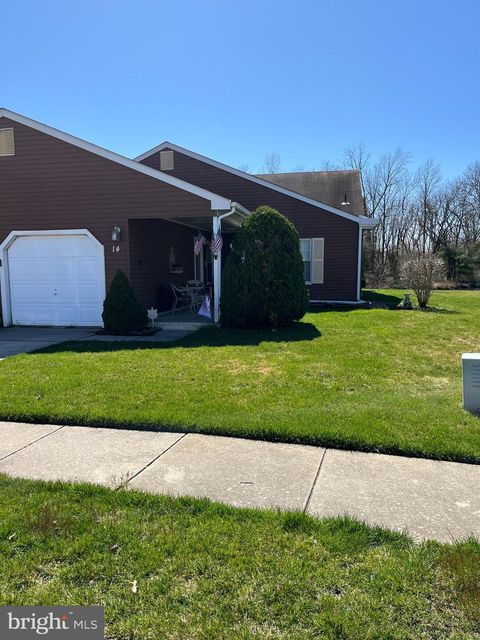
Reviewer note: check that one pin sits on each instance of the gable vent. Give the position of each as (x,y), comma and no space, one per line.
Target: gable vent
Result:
(166,160)
(7,142)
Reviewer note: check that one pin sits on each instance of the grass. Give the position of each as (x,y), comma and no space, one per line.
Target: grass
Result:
(368,379)
(206,571)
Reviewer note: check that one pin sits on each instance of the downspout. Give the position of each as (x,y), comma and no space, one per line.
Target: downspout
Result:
(359,263)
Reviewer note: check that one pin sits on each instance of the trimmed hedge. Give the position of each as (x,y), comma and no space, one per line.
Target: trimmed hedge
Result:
(122,312)
(263,279)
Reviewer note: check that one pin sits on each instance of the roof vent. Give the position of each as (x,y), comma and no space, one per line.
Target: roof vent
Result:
(7,142)
(166,160)
(345,202)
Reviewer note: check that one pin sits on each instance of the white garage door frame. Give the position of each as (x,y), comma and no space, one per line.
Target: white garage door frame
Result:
(4,272)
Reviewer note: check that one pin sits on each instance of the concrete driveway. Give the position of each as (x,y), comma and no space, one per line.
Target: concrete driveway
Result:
(15,340)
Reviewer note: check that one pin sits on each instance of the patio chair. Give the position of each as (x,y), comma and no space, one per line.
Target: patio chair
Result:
(196,289)
(182,298)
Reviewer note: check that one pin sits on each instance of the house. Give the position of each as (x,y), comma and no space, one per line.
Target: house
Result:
(73,213)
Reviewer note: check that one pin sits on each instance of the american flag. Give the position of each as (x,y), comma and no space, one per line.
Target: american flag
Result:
(199,242)
(216,244)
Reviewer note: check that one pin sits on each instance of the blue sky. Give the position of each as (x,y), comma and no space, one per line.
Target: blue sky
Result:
(235,80)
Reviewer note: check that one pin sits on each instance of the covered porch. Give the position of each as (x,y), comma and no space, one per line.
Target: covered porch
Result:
(172,253)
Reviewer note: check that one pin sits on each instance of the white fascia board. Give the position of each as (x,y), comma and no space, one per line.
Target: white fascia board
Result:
(368,223)
(218,203)
(264,183)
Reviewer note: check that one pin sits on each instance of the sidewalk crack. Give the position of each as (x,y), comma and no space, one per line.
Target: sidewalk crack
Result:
(124,484)
(33,442)
(315,481)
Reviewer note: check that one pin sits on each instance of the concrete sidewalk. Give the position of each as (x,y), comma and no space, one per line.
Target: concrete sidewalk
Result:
(425,498)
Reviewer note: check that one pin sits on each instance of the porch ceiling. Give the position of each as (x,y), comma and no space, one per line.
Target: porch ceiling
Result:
(230,223)
(205,224)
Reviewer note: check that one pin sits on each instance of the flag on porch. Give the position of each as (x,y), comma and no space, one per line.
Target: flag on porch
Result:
(216,244)
(199,242)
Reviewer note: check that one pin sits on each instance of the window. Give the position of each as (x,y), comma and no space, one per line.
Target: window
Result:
(306,251)
(166,160)
(312,250)
(7,142)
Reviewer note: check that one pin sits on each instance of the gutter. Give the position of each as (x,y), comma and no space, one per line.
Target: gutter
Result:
(236,208)
(367,223)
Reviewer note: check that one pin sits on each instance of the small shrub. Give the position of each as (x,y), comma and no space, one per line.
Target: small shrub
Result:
(420,272)
(263,280)
(122,312)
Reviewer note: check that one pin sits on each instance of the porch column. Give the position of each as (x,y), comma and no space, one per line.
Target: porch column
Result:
(217,272)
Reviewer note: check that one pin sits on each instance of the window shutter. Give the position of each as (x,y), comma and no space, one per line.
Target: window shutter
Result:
(317,260)
(7,142)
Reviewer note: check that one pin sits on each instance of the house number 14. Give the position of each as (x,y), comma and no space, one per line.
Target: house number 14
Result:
(115,248)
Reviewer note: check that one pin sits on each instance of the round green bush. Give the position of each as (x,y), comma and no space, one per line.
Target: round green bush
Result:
(122,312)
(263,279)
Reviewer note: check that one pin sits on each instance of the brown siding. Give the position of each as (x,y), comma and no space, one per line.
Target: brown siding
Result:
(50,184)
(150,242)
(341,235)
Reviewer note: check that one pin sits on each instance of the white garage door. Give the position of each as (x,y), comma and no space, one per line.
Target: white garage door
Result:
(56,280)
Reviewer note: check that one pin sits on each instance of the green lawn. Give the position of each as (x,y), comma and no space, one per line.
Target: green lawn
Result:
(371,379)
(206,571)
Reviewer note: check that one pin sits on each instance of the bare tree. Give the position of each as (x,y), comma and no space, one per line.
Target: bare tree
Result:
(272,163)
(357,157)
(385,183)
(327,165)
(418,212)
(420,272)
(428,178)
(244,167)
(469,203)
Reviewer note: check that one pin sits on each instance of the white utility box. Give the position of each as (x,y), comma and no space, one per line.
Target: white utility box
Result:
(471,382)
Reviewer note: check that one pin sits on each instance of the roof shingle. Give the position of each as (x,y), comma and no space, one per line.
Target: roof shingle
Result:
(329,187)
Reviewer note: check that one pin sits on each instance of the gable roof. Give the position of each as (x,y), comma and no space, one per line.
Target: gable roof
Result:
(333,187)
(218,203)
(362,220)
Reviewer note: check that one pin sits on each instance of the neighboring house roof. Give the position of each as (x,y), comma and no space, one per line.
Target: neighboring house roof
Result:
(359,218)
(217,202)
(341,189)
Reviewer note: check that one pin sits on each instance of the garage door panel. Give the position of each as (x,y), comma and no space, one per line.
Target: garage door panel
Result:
(68,314)
(86,268)
(56,280)
(43,314)
(22,293)
(67,292)
(88,292)
(21,268)
(65,269)
(89,315)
